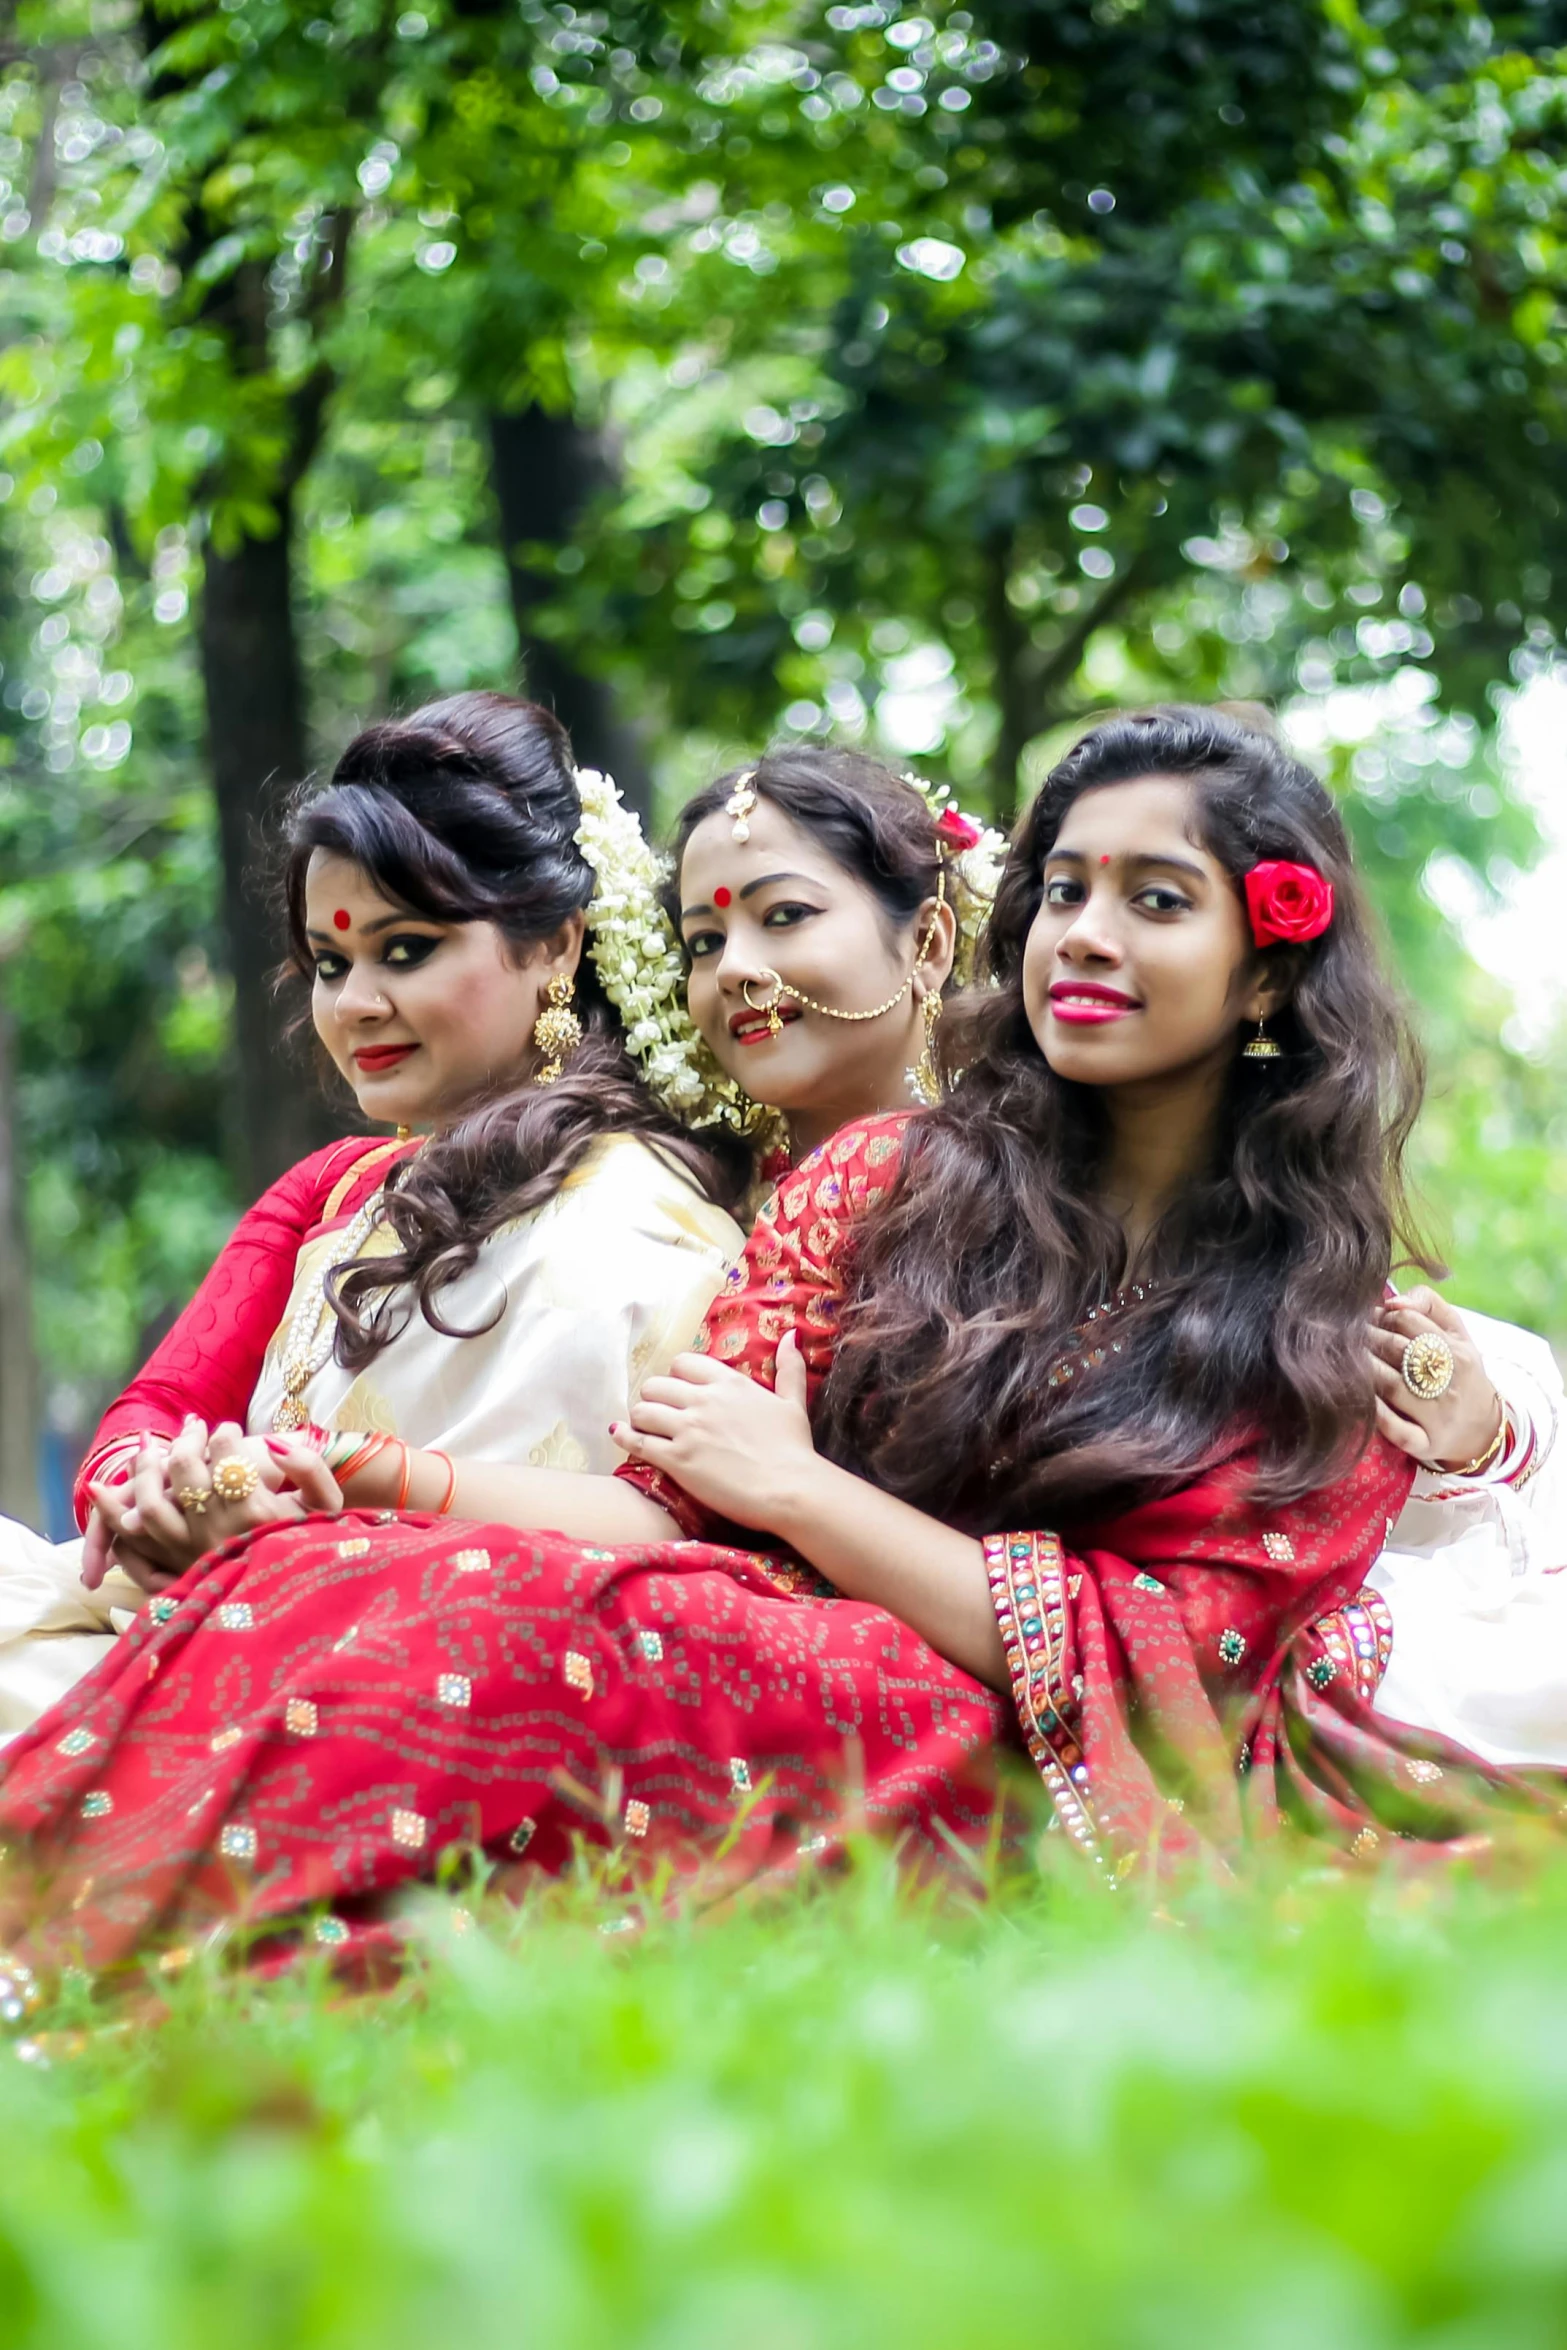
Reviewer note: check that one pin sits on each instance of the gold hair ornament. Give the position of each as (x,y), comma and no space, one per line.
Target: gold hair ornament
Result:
(973,872)
(741,804)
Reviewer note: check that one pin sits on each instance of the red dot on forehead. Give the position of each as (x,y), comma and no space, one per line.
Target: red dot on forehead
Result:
(722,897)
(1104,860)
(340,920)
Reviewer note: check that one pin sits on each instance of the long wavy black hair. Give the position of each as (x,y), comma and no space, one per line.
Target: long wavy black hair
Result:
(995,1242)
(467,811)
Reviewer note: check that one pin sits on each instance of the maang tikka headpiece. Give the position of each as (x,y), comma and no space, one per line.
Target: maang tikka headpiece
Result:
(740,803)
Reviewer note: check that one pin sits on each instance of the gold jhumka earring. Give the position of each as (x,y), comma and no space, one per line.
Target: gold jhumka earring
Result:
(740,805)
(1262,1046)
(924,1079)
(557,1032)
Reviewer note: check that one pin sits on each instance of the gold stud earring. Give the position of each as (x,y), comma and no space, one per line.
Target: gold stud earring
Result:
(1262,1046)
(924,1079)
(557,1032)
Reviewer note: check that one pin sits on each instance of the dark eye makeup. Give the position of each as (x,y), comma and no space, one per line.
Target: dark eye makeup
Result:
(402,950)
(787,914)
(1155,897)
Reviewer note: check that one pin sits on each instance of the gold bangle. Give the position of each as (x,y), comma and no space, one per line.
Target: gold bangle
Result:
(1491,1454)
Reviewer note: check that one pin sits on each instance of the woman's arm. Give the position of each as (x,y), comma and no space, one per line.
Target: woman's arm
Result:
(746,1452)
(492,1493)
(208,1363)
(871,1546)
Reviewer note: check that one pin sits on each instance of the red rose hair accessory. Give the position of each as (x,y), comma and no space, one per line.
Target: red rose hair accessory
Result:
(1287,902)
(957,831)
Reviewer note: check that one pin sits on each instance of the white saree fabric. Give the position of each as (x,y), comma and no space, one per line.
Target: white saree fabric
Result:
(572,1307)
(1476,1582)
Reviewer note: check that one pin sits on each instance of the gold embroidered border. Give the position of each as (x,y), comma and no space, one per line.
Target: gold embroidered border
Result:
(1028,1592)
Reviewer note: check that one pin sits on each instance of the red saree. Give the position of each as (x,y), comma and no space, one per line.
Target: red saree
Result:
(209,1362)
(318,1713)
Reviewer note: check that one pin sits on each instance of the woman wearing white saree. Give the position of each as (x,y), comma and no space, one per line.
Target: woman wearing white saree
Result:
(499,1287)
(1472,1587)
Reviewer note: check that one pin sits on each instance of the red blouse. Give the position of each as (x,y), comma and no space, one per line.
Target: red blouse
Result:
(208,1364)
(1205,1614)
(791,1277)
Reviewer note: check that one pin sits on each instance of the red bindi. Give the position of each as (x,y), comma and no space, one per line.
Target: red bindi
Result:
(1104,860)
(342,921)
(722,897)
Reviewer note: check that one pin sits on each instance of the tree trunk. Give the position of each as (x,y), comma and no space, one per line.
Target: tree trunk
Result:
(1009,651)
(257,747)
(1031,688)
(544,470)
(18,1375)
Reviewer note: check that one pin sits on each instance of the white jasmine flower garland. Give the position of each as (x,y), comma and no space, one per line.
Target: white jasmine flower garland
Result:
(638,959)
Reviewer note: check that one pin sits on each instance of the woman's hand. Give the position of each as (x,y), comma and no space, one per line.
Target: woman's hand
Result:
(107,1545)
(137,1526)
(170,1515)
(738,1448)
(1457,1426)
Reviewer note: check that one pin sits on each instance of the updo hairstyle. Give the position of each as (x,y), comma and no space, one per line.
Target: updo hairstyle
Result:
(467,811)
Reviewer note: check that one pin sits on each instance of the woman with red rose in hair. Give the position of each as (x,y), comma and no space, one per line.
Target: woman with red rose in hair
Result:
(1044,1418)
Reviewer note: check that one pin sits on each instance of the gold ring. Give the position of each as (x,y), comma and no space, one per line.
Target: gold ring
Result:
(765,979)
(191,1500)
(235,1480)
(1427,1368)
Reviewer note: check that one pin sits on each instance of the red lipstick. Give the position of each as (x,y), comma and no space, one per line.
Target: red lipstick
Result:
(1084,1003)
(756,1027)
(373,1058)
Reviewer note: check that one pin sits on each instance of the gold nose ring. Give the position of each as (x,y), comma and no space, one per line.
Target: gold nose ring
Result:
(765,979)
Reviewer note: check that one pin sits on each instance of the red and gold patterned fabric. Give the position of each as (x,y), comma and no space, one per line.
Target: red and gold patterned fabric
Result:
(319,1713)
(328,1709)
(210,1360)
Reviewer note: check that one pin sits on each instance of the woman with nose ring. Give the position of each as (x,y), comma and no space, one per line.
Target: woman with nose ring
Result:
(826,909)
(802,886)
(495,1279)
(1044,1418)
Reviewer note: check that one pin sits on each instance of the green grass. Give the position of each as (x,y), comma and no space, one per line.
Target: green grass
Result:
(1313,2113)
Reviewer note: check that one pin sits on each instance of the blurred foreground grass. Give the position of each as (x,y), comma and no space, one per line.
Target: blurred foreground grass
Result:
(1316,2112)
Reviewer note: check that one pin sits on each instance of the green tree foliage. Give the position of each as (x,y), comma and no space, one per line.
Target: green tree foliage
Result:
(940,377)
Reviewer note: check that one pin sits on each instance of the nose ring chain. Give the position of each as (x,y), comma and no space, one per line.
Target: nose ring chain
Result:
(808,1003)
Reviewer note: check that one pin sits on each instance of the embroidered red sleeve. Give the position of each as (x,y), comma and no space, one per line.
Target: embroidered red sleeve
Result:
(1146,1660)
(209,1362)
(791,1277)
